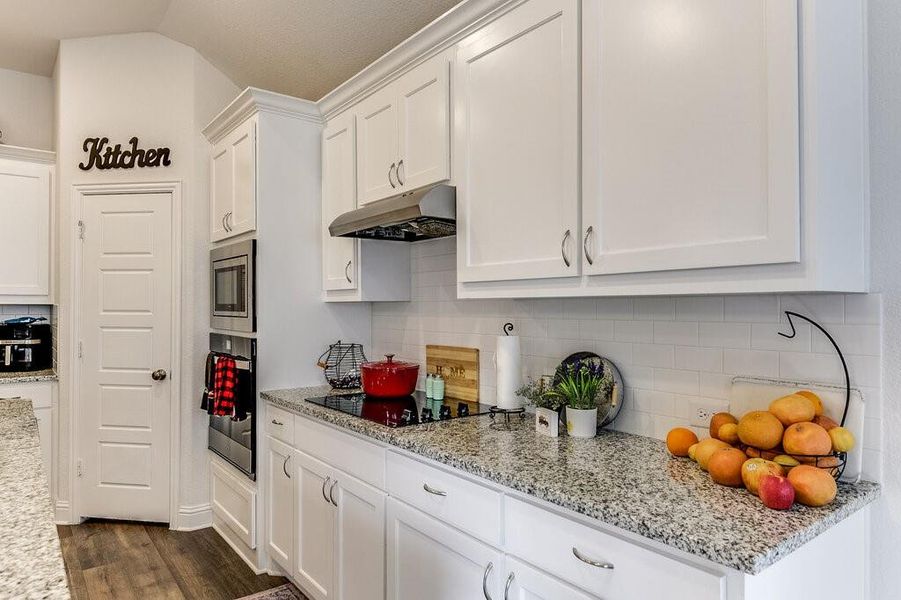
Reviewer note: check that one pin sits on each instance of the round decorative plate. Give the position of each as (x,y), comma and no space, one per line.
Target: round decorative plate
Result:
(609,407)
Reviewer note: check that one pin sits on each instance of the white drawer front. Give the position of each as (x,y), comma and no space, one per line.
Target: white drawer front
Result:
(234,502)
(547,540)
(39,392)
(453,500)
(280,424)
(356,457)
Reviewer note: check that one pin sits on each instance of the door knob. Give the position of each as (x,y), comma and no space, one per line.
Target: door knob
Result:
(158,375)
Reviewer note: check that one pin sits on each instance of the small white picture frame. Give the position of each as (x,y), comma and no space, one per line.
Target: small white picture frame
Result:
(547,422)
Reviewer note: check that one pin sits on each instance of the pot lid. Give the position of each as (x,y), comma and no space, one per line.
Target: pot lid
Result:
(390,363)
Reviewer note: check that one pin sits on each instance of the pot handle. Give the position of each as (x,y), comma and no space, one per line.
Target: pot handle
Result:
(389,357)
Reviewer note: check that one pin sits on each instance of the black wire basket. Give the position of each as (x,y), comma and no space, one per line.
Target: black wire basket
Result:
(341,365)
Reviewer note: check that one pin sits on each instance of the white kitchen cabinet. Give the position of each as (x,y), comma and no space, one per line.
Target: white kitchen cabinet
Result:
(233,183)
(516,145)
(427,559)
(26,180)
(359,540)
(694,163)
(403,133)
(526,583)
(280,494)
(340,267)
(314,535)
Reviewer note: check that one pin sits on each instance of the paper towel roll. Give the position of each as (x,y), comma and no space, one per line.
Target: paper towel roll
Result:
(508,360)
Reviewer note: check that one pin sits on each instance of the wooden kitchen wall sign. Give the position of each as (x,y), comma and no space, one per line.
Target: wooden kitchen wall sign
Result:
(104,156)
(459,367)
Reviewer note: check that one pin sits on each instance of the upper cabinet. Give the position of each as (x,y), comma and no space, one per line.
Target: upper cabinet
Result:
(339,255)
(516,107)
(403,133)
(26,180)
(233,198)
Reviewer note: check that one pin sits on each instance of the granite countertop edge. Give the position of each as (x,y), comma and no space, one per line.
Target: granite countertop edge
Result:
(27,377)
(721,551)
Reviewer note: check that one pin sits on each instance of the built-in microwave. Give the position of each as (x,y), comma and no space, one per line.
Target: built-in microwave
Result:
(232,287)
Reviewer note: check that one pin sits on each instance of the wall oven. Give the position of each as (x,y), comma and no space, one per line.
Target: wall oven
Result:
(232,287)
(235,440)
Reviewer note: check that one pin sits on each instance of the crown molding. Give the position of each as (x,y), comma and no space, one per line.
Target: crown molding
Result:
(437,36)
(32,154)
(254,100)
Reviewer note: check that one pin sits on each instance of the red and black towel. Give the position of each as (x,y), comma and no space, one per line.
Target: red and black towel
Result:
(221,380)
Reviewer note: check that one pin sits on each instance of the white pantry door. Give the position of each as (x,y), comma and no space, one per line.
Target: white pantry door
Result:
(126,326)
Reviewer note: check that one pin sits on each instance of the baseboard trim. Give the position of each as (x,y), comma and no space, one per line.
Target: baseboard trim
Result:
(238,549)
(191,518)
(62,513)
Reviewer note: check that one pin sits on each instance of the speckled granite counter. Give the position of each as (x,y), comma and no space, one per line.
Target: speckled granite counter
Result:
(627,481)
(27,377)
(31,563)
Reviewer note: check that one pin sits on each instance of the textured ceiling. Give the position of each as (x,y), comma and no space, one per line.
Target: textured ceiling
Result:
(303,48)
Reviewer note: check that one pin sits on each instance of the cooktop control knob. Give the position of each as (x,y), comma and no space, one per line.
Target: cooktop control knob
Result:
(462,409)
(444,413)
(426,415)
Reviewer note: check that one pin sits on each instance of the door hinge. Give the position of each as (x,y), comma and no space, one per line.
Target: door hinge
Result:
(80,350)
(78,468)
(81,230)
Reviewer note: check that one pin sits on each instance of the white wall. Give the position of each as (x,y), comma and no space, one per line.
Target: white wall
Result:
(148,86)
(26,110)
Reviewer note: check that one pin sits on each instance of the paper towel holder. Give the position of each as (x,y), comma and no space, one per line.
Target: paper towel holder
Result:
(508,327)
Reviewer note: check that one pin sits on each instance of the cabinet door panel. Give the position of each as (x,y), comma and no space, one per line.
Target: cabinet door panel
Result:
(280,511)
(315,532)
(427,559)
(339,255)
(244,205)
(516,103)
(377,147)
(424,115)
(221,189)
(360,542)
(526,583)
(24,228)
(690,134)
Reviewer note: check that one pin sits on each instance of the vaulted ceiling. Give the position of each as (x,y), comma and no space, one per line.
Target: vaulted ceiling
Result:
(304,48)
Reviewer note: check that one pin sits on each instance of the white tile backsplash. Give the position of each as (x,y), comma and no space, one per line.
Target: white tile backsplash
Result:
(671,351)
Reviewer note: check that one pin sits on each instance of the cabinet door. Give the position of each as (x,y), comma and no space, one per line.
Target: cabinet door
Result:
(525,583)
(280,496)
(360,540)
(45,432)
(244,206)
(377,151)
(221,189)
(24,228)
(516,104)
(315,531)
(339,255)
(690,134)
(427,559)
(424,119)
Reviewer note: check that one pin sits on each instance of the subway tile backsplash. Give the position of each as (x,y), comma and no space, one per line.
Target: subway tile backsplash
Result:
(670,351)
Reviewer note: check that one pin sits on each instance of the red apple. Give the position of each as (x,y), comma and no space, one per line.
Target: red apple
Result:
(776,492)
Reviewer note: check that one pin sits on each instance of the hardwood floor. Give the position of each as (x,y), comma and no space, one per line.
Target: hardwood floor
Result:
(124,560)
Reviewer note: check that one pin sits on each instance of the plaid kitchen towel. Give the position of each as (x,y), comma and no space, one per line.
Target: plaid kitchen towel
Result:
(224,379)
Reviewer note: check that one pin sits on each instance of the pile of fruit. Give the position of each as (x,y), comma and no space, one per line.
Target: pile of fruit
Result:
(781,455)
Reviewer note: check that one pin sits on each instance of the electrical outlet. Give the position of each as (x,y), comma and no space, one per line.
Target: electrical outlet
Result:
(703,410)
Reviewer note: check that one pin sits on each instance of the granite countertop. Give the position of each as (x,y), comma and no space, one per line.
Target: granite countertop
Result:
(27,376)
(31,563)
(623,480)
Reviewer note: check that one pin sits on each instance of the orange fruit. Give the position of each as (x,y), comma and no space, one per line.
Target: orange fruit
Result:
(706,448)
(728,433)
(718,420)
(842,439)
(793,408)
(806,438)
(760,429)
(813,486)
(725,466)
(679,440)
(754,469)
(817,402)
(825,422)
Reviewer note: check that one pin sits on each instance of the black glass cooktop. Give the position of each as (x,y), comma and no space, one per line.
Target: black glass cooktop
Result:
(400,412)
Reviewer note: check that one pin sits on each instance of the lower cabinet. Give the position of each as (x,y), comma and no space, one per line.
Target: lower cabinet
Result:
(314,565)
(427,559)
(280,516)
(525,583)
(359,540)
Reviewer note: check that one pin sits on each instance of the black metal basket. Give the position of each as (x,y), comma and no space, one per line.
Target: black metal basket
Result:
(341,365)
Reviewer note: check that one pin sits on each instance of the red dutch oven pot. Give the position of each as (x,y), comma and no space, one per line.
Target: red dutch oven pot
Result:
(389,378)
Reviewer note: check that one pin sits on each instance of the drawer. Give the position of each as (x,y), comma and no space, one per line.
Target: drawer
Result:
(551,542)
(39,392)
(234,502)
(350,454)
(280,424)
(468,506)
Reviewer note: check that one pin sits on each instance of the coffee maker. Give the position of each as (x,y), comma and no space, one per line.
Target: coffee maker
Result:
(25,347)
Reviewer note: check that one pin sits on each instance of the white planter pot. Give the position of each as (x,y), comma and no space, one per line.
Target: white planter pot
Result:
(582,423)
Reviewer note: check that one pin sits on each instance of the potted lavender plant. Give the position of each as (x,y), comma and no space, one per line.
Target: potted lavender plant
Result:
(579,386)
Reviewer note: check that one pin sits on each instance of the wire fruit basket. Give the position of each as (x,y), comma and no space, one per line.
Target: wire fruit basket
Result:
(341,365)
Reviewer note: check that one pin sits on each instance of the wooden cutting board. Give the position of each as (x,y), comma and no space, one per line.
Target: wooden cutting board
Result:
(459,367)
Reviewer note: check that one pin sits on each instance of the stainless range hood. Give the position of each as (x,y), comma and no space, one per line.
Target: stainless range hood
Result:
(420,214)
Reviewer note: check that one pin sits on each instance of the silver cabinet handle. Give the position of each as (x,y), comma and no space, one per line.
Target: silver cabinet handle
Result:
(399,166)
(391,172)
(588,233)
(593,563)
(331,493)
(325,483)
(346,269)
(510,579)
(432,490)
(274,422)
(285,467)
(224,226)
(566,236)
(485,581)
(228,220)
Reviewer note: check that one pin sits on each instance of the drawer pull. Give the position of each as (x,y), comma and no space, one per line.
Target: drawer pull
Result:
(325,483)
(275,422)
(432,490)
(593,563)
(510,579)
(485,581)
